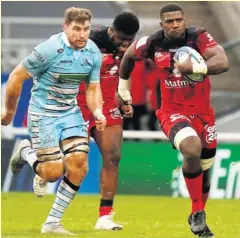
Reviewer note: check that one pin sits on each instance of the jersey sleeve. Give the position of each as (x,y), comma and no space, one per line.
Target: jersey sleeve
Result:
(94,76)
(39,59)
(140,46)
(205,41)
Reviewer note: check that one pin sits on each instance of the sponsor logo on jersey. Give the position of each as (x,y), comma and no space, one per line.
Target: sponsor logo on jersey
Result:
(178,83)
(65,61)
(115,113)
(178,116)
(113,70)
(60,50)
(162,59)
(173,50)
(211,133)
(36,55)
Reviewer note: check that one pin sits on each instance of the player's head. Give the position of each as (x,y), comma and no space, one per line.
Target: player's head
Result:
(173,21)
(123,30)
(77,25)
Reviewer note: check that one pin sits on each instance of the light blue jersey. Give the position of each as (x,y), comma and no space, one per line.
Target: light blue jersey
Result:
(57,72)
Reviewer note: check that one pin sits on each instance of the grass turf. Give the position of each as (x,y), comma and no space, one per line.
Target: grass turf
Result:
(141,216)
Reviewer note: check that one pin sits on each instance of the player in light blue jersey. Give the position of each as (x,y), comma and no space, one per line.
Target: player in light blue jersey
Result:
(58,132)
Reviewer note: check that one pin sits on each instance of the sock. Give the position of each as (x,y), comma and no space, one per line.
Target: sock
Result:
(194,185)
(29,155)
(204,198)
(106,207)
(65,194)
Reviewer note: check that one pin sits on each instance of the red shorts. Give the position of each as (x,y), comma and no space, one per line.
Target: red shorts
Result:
(111,112)
(203,124)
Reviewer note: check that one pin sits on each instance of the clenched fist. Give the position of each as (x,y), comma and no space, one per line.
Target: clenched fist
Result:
(7,117)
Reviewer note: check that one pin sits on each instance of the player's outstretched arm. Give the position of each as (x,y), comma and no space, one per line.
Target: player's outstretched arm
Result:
(95,104)
(13,90)
(126,67)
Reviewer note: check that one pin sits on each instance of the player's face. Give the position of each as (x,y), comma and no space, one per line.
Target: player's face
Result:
(77,33)
(120,40)
(173,24)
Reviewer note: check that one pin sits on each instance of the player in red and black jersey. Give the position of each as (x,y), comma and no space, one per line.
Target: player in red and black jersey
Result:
(186,116)
(113,42)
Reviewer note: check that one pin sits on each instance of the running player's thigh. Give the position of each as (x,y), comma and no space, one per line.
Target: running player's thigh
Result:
(176,126)
(44,137)
(75,144)
(208,137)
(72,125)
(74,136)
(109,140)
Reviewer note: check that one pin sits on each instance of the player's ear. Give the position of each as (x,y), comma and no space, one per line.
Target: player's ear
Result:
(111,30)
(65,28)
(160,23)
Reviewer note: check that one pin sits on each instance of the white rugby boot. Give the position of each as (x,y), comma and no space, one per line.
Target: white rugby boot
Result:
(39,186)
(17,161)
(106,223)
(56,228)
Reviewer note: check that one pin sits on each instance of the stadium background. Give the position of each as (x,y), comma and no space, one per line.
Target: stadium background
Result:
(149,166)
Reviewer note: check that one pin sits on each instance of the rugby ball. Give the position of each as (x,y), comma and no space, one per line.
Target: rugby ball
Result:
(181,55)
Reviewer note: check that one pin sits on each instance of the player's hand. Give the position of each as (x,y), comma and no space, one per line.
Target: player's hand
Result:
(7,117)
(127,110)
(101,122)
(184,67)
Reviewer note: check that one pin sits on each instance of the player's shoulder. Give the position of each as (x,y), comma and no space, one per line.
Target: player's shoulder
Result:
(51,47)
(195,31)
(101,38)
(146,41)
(92,47)
(99,33)
(158,35)
(142,41)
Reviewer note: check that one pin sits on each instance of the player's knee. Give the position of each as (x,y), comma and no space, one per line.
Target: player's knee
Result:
(51,171)
(77,164)
(191,147)
(76,156)
(111,158)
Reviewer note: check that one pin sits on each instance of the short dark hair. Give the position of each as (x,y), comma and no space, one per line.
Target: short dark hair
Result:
(127,23)
(171,7)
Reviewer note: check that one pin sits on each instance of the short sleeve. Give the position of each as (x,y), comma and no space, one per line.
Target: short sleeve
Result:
(94,76)
(205,41)
(140,46)
(39,59)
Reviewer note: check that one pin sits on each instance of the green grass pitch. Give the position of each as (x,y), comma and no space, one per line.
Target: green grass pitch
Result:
(142,216)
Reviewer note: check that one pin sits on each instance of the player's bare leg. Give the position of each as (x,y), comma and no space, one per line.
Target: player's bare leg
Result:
(46,163)
(76,164)
(191,148)
(109,142)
